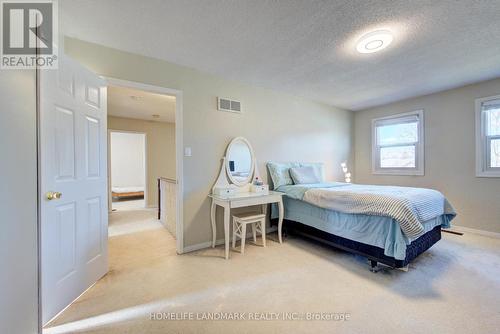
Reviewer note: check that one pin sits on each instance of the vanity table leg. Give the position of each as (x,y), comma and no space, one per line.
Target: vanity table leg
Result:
(226,229)
(212,220)
(280,219)
(264,211)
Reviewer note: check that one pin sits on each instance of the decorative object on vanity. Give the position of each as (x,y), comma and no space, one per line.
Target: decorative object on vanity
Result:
(239,185)
(257,182)
(261,189)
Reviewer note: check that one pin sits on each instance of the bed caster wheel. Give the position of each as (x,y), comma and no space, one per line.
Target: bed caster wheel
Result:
(405,268)
(373,266)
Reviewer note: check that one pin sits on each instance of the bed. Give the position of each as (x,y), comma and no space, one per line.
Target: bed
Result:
(389,225)
(127,192)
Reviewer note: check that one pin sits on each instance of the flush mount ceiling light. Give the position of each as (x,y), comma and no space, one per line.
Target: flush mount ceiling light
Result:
(374,41)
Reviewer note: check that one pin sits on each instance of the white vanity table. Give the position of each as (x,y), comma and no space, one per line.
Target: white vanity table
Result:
(243,200)
(233,188)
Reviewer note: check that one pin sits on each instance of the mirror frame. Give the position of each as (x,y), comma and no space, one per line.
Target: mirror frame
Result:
(252,163)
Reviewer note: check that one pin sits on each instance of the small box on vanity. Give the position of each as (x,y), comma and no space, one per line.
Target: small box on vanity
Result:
(261,189)
(224,191)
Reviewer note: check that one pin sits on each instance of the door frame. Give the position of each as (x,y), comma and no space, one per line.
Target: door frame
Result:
(146,188)
(179,144)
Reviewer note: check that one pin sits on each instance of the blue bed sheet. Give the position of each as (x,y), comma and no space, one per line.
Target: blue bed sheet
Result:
(379,231)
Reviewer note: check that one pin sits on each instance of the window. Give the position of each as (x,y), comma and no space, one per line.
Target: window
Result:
(398,144)
(488,136)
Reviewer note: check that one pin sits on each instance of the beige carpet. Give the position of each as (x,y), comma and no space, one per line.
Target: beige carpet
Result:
(127,220)
(128,204)
(452,288)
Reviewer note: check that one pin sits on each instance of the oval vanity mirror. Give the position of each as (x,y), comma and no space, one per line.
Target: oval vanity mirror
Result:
(240,161)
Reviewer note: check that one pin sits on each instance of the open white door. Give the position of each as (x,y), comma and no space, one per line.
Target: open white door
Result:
(74,214)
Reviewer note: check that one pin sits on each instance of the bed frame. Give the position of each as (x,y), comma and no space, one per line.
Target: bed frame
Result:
(129,194)
(372,253)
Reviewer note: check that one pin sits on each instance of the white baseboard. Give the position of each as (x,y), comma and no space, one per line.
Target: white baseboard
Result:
(218,242)
(475,231)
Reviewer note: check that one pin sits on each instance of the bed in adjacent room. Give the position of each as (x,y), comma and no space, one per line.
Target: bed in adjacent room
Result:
(127,192)
(387,224)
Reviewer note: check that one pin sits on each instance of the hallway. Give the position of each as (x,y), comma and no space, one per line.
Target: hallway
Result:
(131,217)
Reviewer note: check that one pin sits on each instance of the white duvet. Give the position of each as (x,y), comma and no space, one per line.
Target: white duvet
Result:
(121,190)
(410,207)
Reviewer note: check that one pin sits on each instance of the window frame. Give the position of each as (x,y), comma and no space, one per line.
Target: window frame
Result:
(483,141)
(419,147)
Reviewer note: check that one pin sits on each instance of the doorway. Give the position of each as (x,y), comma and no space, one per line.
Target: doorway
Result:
(179,147)
(127,170)
(141,155)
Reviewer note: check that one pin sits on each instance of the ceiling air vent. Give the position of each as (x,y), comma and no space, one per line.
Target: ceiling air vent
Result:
(228,105)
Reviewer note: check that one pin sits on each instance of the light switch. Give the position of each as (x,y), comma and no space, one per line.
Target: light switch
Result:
(187,151)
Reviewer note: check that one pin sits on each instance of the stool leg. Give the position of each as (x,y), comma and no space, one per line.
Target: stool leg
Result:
(234,233)
(243,237)
(254,232)
(263,231)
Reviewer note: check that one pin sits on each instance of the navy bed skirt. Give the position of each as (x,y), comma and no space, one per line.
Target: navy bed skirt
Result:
(373,253)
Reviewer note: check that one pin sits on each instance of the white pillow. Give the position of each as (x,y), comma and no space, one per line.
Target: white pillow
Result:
(319,167)
(304,175)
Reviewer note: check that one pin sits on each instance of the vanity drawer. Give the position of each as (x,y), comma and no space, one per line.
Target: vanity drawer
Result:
(224,191)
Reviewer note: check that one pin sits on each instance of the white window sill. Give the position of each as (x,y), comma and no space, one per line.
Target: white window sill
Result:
(398,172)
(488,174)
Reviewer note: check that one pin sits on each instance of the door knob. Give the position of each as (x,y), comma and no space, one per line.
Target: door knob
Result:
(51,195)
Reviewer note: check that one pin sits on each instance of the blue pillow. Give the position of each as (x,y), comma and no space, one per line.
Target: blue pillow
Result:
(280,173)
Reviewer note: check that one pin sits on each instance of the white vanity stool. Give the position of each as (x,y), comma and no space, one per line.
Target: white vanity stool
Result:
(240,222)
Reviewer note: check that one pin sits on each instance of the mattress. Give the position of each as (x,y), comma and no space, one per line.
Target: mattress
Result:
(378,231)
(123,190)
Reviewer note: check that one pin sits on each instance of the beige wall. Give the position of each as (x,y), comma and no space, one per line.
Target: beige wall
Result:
(449,153)
(160,150)
(18,203)
(279,126)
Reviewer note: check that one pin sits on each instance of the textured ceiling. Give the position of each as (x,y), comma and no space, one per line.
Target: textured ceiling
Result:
(306,47)
(138,104)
